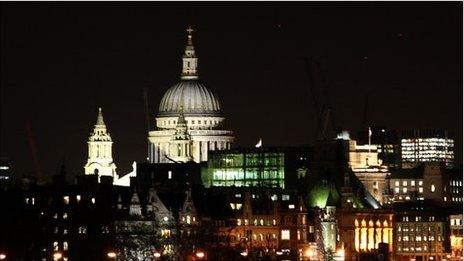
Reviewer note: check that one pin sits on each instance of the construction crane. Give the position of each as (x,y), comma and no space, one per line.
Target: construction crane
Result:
(33,149)
(318,87)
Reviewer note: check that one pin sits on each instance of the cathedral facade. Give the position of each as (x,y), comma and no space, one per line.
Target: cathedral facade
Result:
(189,122)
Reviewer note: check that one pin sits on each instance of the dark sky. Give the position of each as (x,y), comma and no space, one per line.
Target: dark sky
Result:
(59,62)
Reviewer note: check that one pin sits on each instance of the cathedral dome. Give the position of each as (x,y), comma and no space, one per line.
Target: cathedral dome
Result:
(192,97)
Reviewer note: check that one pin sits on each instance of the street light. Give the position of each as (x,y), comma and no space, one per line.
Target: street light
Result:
(57,256)
(111,255)
(200,254)
(2,256)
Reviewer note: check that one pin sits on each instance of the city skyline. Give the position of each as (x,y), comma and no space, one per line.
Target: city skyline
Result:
(56,75)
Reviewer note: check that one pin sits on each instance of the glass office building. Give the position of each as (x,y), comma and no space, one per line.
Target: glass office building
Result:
(263,167)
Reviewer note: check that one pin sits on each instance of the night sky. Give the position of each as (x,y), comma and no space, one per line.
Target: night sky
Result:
(59,62)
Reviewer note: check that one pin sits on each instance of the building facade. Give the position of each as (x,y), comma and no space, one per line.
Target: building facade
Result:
(419,146)
(100,151)
(273,167)
(189,121)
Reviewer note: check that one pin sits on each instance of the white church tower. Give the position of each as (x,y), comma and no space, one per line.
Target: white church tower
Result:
(100,158)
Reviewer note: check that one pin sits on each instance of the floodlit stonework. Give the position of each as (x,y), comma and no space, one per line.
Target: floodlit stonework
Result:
(100,158)
(189,120)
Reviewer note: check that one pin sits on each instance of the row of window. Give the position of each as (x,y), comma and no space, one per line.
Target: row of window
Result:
(211,122)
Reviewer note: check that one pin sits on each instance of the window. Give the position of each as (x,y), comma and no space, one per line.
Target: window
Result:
(397,190)
(82,230)
(65,215)
(298,235)
(285,197)
(405,190)
(421,189)
(169,174)
(65,246)
(432,188)
(93,200)
(285,234)
(239,222)
(413,182)
(397,183)
(66,200)
(55,246)
(405,183)
(420,182)
(78,198)
(291,206)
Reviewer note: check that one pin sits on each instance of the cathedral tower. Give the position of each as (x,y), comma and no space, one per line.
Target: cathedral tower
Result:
(100,158)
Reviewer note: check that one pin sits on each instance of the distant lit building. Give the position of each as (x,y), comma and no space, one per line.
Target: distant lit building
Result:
(278,167)
(456,228)
(5,171)
(421,232)
(189,122)
(368,167)
(429,181)
(100,152)
(387,142)
(419,146)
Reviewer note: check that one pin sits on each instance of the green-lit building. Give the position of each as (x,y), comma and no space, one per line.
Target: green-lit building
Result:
(273,167)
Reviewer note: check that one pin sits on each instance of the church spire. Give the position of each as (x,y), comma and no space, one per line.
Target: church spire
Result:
(189,59)
(100,121)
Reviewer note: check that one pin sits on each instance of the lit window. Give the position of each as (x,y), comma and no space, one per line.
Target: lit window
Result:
(432,188)
(78,198)
(65,245)
(397,190)
(285,197)
(239,222)
(298,235)
(405,190)
(413,182)
(55,246)
(188,219)
(93,200)
(166,218)
(420,182)
(82,230)
(291,206)
(65,215)
(405,183)
(238,195)
(285,234)
(261,222)
(274,222)
(421,189)
(397,183)
(239,206)
(169,174)
(66,200)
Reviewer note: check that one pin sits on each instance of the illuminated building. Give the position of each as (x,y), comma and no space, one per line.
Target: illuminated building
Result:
(100,158)
(456,227)
(368,168)
(428,181)
(362,223)
(421,232)
(269,220)
(387,143)
(419,146)
(277,167)
(143,227)
(5,172)
(189,121)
